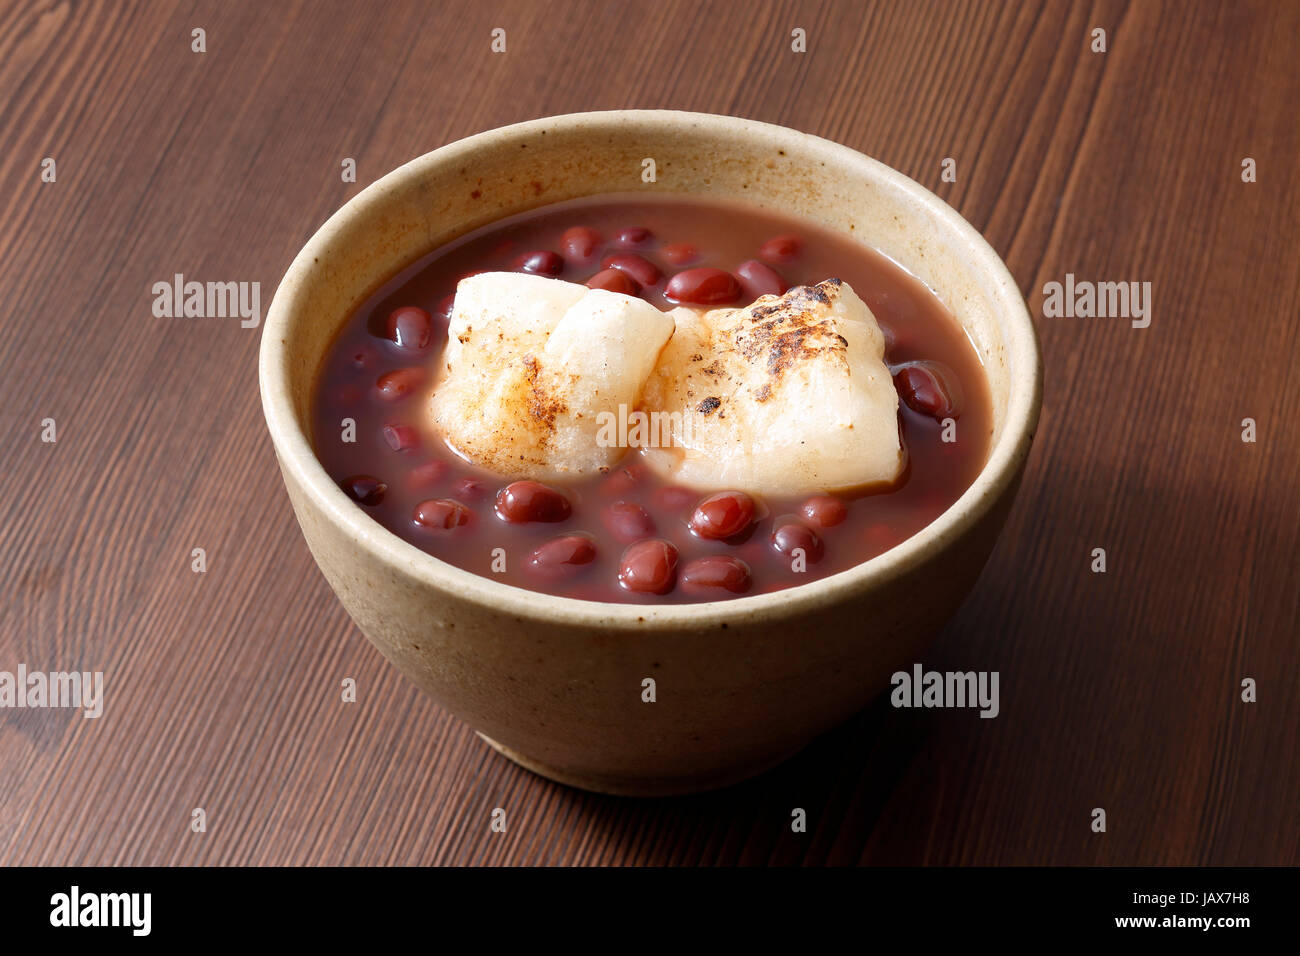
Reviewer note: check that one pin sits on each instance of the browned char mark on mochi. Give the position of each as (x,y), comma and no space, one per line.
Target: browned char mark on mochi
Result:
(786,333)
(543,407)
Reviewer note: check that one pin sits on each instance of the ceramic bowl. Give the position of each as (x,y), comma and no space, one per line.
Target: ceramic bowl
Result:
(555,683)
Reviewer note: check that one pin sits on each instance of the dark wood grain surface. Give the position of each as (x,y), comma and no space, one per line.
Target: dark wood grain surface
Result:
(1119,690)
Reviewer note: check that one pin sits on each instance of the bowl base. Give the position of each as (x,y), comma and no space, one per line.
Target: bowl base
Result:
(648,787)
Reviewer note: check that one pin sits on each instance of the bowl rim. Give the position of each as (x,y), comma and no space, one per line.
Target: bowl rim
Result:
(1001,468)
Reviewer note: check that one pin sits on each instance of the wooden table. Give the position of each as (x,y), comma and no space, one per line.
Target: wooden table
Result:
(1119,690)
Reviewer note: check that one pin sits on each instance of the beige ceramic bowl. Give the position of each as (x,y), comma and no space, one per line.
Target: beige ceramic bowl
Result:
(556,683)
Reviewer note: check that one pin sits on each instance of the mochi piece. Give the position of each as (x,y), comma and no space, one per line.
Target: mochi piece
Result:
(787,396)
(532,363)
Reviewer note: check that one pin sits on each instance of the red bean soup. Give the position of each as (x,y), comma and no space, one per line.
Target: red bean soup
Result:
(627,535)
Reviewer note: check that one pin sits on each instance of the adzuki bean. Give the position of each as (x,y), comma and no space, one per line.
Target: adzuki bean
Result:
(470,489)
(614,280)
(788,535)
(717,571)
(580,242)
(441,514)
(722,515)
(364,489)
(824,510)
(542,263)
(564,553)
(399,383)
(633,236)
(523,501)
(679,254)
(781,249)
(760,279)
(410,328)
(401,437)
(926,389)
(703,286)
(638,267)
(628,522)
(426,475)
(649,567)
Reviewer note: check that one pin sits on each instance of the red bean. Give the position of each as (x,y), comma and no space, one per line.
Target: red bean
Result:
(788,534)
(471,489)
(722,515)
(446,305)
(673,497)
(564,553)
(638,267)
(621,481)
(889,335)
(628,522)
(929,389)
(648,567)
(613,280)
(824,510)
(580,242)
(542,262)
(716,571)
(679,253)
(423,476)
(781,249)
(633,236)
(409,328)
(364,358)
(524,501)
(760,279)
(399,383)
(890,307)
(703,287)
(364,489)
(441,514)
(880,538)
(401,437)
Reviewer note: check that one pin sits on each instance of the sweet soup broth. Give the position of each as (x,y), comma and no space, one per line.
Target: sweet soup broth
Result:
(619,530)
